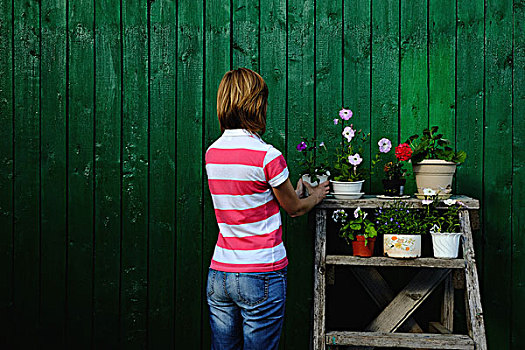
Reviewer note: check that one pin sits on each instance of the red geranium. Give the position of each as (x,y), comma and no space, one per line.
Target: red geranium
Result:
(403,152)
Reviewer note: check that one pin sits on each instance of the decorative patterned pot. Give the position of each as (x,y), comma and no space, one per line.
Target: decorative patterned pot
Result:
(402,246)
(322,178)
(445,244)
(436,174)
(347,187)
(360,249)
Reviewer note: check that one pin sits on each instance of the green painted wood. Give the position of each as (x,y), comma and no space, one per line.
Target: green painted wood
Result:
(328,72)
(469,105)
(135,179)
(161,284)
(518,177)
(26,171)
(245,44)
(189,169)
(108,100)
(413,109)
(356,74)
(385,75)
(6,173)
(441,66)
(498,172)
(80,174)
(216,63)
(53,174)
(300,123)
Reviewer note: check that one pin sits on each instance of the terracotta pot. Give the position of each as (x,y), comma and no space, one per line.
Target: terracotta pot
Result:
(436,174)
(394,187)
(402,246)
(359,248)
(346,186)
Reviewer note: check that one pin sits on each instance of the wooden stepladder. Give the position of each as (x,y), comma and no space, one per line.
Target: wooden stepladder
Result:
(395,326)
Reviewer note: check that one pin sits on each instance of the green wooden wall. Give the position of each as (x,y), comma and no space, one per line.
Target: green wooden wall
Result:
(107,107)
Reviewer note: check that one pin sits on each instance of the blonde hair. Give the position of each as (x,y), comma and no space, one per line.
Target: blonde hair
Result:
(242,101)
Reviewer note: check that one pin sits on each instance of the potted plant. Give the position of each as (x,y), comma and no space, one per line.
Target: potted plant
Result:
(402,228)
(444,225)
(395,171)
(359,231)
(314,172)
(348,175)
(434,162)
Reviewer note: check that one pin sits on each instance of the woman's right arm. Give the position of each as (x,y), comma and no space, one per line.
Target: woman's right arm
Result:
(289,200)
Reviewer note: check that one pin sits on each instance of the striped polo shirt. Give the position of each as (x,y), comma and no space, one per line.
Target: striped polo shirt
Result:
(241,167)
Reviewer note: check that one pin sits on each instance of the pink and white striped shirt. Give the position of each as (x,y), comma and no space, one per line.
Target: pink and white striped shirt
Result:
(241,167)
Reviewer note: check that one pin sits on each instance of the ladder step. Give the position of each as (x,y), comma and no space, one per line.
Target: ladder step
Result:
(385,261)
(393,340)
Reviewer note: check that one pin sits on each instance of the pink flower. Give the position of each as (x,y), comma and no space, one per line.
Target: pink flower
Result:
(384,145)
(345,114)
(349,133)
(355,159)
(336,121)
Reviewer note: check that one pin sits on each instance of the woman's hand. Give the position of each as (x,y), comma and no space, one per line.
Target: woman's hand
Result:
(290,199)
(318,192)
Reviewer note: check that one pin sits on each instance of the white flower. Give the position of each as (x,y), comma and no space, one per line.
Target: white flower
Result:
(339,215)
(429,192)
(356,212)
(349,133)
(426,201)
(355,159)
(450,202)
(321,144)
(384,145)
(364,215)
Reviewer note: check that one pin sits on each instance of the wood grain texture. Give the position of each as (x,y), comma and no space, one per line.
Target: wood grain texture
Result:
(385,261)
(319,327)
(189,285)
(385,75)
(53,174)
(135,166)
(216,63)
(246,16)
(371,201)
(299,237)
(162,155)
(518,179)
(498,171)
(108,232)
(6,173)
(26,229)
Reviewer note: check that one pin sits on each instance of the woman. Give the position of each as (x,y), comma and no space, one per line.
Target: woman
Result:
(248,179)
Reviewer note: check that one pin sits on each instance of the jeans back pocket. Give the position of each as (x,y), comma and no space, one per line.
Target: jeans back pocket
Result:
(210,288)
(253,288)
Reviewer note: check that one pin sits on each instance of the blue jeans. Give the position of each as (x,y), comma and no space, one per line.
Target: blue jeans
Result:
(246,309)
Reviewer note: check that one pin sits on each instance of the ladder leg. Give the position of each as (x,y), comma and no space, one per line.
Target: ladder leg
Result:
(320,281)
(447,306)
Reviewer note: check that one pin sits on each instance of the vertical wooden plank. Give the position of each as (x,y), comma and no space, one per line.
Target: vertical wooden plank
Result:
(328,71)
(6,171)
(518,178)
(413,74)
(441,66)
(216,63)
(498,171)
(447,304)
(246,34)
(80,174)
(469,102)
(414,88)
(300,122)
(53,174)
(356,72)
(108,100)
(320,280)
(385,74)
(27,178)
(162,191)
(135,145)
(189,282)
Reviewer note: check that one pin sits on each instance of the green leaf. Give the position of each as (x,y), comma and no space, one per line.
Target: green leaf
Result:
(459,157)
(355,227)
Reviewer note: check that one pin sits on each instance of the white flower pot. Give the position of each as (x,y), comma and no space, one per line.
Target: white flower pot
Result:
(436,174)
(445,244)
(347,187)
(322,178)
(402,246)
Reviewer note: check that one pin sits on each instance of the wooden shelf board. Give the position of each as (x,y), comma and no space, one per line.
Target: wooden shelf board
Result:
(371,201)
(385,261)
(410,340)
